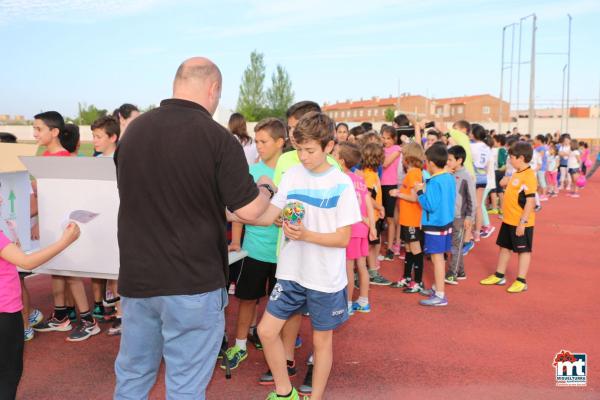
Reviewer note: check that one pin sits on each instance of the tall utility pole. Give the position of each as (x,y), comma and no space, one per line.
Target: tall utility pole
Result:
(501,82)
(512,52)
(519,67)
(568,73)
(562,101)
(532,80)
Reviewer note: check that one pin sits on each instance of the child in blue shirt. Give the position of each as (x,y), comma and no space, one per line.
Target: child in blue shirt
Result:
(437,201)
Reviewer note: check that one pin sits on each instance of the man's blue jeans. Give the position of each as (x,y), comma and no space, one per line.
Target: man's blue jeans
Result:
(186,330)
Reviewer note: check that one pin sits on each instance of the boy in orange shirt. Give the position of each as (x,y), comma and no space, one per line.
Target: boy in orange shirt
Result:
(516,233)
(410,219)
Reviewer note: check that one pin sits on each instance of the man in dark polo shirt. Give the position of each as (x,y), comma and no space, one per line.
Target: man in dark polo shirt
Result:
(177,170)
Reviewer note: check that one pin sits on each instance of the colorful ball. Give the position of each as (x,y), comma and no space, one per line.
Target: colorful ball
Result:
(293,212)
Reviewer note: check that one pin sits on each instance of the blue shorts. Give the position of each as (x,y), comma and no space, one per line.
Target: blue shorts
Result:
(438,242)
(327,310)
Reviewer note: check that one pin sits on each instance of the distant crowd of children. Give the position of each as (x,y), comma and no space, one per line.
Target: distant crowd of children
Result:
(409,191)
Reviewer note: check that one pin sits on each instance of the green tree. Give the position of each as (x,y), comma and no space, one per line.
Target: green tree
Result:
(389,114)
(251,101)
(280,95)
(88,114)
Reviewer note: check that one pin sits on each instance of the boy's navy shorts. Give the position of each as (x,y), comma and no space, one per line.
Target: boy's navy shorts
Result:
(438,242)
(327,310)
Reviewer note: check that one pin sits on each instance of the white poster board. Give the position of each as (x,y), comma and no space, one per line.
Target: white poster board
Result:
(67,184)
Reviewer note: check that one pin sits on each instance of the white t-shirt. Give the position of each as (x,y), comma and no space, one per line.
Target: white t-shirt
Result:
(564,149)
(491,171)
(330,203)
(481,154)
(573,162)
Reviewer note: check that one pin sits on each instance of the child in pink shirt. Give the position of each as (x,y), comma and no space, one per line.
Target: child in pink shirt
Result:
(11,321)
(348,156)
(389,181)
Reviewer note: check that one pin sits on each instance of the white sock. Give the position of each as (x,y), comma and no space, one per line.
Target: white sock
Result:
(440,294)
(241,343)
(363,301)
(349,304)
(311,360)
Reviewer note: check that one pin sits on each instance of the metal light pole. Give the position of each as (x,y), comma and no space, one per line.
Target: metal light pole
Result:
(532,80)
(568,73)
(501,82)
(512,51)
(562,101)
(519,68)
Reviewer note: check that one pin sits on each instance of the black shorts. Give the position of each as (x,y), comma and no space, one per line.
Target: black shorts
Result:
(480,185)
(256,279)
(508,239)
(410,234)
(379,227)
(499,176)
(389,202)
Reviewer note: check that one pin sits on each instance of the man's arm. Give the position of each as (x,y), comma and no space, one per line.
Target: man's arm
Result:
(259,205)
(339,238)
(266,219)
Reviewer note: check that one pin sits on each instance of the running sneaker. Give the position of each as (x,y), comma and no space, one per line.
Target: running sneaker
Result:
(401,284)
(362,309)
(379,280)
(451,279)
(28,334)
(396,249)
(255,340)
(413,287)
(298,342)
(115,329)
(461,276)
(467,247)
(306,388)
(493,280)
(427,292)
(493,211)
(235,355)
(84,330)
(380,257)
(389,255)
(487,231)
(292,396)
(54,324)
(267,377)
(517,287)
(434,301)
(35,317)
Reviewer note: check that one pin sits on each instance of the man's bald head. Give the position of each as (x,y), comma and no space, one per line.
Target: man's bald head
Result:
(199,80)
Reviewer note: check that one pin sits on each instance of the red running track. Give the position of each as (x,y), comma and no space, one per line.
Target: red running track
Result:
(486,344)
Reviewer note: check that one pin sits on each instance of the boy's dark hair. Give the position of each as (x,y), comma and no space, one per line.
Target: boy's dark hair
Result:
(462,124)
(520,148)
(52,119)
(479,132)
(69,138)
(299,109)
(315,126)
(437,154)
(274,126)
(541,138)
(511,140)
(350,153)
(583,144)
(357,131)
(124,111)
(401,120)
(6,137)
(367,126)
(372,156)
(458,152)
(501,138)
(563,137)
(109,124)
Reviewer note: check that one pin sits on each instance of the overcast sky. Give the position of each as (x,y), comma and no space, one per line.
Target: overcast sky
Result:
(54,54)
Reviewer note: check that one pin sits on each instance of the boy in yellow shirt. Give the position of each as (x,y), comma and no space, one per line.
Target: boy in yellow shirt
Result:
(516,233)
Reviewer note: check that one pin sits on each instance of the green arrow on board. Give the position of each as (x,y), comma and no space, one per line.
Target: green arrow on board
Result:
(11,198)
